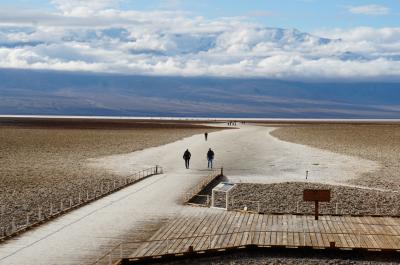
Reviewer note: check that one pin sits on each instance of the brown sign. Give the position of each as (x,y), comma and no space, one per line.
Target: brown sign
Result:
(317,195)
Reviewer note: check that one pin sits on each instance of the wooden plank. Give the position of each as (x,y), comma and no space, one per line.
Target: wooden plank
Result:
(222,239)
(203,242)
(306,239)
(239,236)
(197,229)
(263,228)
(236,229)
(230,229)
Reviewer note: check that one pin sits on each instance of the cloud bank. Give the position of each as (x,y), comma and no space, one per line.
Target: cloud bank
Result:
(96,36)
(375,10)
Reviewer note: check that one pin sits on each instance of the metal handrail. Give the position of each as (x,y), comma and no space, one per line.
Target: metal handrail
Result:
(202,184)
(17,229)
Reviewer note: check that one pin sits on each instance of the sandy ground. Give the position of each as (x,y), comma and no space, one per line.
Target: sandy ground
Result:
(249,154)
(43,161)
(380,143)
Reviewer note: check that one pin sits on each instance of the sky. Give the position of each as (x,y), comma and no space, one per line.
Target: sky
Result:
(286,39)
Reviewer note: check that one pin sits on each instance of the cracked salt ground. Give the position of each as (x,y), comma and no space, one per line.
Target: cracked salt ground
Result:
(246,155)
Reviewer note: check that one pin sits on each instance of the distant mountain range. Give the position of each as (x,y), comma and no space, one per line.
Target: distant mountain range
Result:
(68,93)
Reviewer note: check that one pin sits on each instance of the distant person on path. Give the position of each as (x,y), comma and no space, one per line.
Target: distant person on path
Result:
(206,135)
(186,157)
(210,158)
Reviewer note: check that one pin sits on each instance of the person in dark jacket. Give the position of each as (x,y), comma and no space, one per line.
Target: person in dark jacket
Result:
(186,157)
(210,158)
(206,135)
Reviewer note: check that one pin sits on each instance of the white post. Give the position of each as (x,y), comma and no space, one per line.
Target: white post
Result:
(376,208)
(226,200)
(51,209)
(114,184)
(13,226)
(61,206)
(336,208)
(87,195)
(40,214)
(297,207)
(79,198)
(208,200)
(70,202)
(212,198)
(101,189)
(27,219)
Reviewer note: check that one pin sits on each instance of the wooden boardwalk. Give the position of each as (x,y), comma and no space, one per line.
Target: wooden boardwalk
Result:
(211,230)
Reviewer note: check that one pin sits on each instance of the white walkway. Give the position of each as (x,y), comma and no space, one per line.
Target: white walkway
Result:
(247,154)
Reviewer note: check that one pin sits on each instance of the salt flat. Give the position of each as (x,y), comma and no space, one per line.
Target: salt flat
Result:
(248,154)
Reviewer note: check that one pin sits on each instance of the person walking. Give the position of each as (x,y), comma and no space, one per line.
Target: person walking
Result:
(210,158)
(206,135)
(186,157)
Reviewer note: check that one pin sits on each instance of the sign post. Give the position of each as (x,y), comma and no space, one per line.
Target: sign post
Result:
(317,196)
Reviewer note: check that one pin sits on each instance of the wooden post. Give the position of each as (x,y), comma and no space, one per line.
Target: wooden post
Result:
(336,208)
(297,207)
(79,198)
(61,206)
(222,171)
(27,219)
(306,174)
(316,210)
(156,169)
(51,209)
(70,202)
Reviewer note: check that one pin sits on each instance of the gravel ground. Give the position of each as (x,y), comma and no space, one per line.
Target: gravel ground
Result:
(43,162)
(379,143)
(277,257)
(288,198)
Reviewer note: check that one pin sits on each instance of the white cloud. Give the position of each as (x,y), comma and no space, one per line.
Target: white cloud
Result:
(369,10)
(105,39)
(83,7)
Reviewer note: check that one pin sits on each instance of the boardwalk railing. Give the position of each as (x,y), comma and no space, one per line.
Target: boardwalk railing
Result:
(300,207)
(202,185)
(177,245)
(57,208)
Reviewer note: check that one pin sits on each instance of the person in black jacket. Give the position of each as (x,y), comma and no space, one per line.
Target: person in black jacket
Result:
(186,157)
(210,158)
(206,135)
